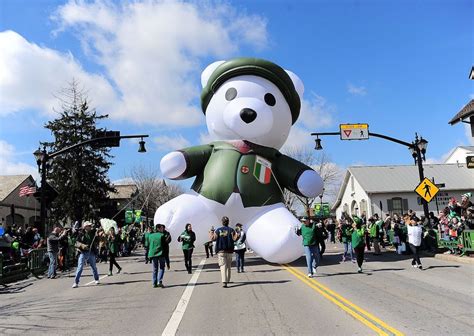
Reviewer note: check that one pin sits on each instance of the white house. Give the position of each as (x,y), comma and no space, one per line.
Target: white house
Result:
(384,189)
(459,154)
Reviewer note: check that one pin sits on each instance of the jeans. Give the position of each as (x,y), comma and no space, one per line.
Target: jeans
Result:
(158,276)
(188,262)
(89,257)
(312,257)
(52,264)
(347,248)
(416,258)
(208,248)
(240,257)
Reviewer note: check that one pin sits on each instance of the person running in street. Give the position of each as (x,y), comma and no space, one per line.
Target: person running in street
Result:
(358,244)
(87,245)
(113,242)
(166,246)
(187,238)
(240,248)
(310,244)
(155,255)
(414,241)
(53,248)
(224,237)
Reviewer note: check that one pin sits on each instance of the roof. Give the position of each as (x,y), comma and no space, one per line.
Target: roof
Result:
(396,179)
(466,112)
(124,191)
(382,179)
(8,183)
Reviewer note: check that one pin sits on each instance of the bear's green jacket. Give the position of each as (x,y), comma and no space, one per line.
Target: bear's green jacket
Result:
(222,168)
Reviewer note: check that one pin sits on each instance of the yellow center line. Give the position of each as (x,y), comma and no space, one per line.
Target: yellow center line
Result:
(358,313)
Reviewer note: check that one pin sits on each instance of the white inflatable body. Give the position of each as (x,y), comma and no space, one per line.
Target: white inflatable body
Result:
(270,228)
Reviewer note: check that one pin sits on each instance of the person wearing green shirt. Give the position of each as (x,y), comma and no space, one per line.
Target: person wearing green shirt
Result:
(358,243)
(346,234)
(113,244)
(145,242)
(311,247)
(187,238)
(155,254)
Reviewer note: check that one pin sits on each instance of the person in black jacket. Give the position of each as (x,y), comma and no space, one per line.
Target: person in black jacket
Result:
(53,248)
(321,236)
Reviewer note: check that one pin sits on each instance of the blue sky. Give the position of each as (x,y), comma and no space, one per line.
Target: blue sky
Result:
(400,66)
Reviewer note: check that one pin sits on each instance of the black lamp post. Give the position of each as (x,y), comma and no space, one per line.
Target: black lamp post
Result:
(417,148)
(42,157)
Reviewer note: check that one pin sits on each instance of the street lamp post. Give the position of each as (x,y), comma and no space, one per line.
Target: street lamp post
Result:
(417,149)
(42,157)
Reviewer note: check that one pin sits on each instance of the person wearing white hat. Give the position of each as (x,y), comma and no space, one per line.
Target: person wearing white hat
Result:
(86,244)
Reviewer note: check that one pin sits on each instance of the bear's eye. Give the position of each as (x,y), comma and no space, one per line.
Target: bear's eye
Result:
(270,99)
(230,94)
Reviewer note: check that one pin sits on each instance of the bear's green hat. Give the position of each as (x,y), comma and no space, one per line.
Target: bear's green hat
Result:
(253,66)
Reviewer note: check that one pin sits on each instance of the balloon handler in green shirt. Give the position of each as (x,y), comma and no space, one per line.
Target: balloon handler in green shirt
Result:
(156,240)
(250,106)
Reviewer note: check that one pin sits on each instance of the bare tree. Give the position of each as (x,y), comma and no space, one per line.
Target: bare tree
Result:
(329,172)
(153,191)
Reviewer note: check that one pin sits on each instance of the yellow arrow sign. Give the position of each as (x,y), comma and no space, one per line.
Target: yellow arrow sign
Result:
(427,190)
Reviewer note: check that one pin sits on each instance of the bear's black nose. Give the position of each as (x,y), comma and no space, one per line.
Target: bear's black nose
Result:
(248,115)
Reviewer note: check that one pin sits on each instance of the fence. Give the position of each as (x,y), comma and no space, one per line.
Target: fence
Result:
(464,243)
(13,271)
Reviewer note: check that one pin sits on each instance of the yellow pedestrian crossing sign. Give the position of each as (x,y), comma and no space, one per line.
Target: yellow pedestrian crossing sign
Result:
(427,190)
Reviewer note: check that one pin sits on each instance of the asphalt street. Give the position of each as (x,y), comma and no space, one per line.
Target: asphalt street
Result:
(389,298)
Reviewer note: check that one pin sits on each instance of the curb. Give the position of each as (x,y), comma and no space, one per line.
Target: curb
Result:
(449,257)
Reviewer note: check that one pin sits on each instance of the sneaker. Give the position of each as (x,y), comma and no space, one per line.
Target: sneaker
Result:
(414,266)
(354,261)
(359,270)
(343,258)
(97,282)
(110,274)
(161,285)
(314,269)
(238,271)
(310,275)
(74,285)
(242,271)
(224,285)
(155,286)
(119,270)
(420,267)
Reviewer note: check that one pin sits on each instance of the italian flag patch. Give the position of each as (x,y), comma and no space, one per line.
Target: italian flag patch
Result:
(262,170)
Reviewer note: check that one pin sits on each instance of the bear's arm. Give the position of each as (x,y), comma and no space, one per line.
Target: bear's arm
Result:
(297,177)
(185,163)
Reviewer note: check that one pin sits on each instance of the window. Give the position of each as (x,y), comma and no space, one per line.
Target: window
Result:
(397,205)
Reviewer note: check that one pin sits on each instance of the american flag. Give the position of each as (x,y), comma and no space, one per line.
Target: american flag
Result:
(27,190)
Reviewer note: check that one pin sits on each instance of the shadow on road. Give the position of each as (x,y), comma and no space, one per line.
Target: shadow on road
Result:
(14,289)
(442,266)
(268,282)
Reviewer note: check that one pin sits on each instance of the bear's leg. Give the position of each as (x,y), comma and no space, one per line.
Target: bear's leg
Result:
(187,208)
(272,236)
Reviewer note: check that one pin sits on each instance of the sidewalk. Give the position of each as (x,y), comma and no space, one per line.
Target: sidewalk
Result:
(450,257)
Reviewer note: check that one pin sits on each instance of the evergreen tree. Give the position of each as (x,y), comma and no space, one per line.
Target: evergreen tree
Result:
(80,175)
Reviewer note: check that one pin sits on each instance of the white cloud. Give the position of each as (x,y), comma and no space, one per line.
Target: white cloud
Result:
(171,143)
(30,75)
(205,138)
(10,166)
(356,90)
(152,50)
(316,112)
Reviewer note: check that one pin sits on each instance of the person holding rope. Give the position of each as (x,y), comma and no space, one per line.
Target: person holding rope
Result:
(86,243)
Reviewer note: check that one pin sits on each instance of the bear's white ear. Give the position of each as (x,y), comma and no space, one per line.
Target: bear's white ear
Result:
(208,72)
(297,83)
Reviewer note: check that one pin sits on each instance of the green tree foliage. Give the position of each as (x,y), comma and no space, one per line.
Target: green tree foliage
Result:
(79,175)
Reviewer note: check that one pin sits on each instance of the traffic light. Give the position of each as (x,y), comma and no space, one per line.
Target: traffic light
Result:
(114,140)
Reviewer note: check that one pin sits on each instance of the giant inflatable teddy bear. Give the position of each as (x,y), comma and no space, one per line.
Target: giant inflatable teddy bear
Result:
(250,105)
